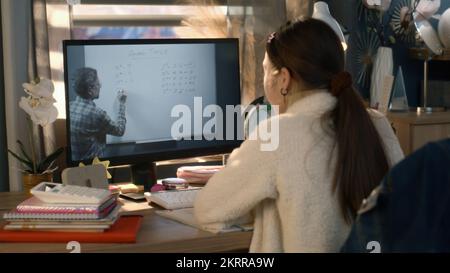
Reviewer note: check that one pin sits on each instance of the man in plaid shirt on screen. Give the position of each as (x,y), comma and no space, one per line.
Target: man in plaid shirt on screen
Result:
(89,124)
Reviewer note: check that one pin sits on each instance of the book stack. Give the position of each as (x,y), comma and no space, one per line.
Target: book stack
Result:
(35,215)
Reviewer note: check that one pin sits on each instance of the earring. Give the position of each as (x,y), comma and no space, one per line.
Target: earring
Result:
(284,92)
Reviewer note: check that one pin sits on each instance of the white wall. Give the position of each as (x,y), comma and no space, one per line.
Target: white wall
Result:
(16,15)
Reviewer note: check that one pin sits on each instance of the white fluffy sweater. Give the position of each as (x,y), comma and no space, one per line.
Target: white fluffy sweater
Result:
(287,193)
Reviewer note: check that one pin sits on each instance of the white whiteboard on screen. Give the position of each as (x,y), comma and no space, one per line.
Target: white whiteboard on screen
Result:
(156,78)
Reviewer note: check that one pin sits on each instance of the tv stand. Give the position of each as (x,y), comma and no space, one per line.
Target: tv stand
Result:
(144,174)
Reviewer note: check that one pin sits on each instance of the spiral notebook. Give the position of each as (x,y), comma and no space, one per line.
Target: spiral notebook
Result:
(17,215)
(34,205)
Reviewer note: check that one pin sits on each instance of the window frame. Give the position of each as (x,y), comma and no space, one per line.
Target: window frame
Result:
(140,2)
(130,20)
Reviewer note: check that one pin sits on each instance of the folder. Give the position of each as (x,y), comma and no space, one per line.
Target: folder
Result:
(123,231)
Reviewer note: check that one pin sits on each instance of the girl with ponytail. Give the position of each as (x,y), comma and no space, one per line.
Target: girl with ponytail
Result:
(304,196)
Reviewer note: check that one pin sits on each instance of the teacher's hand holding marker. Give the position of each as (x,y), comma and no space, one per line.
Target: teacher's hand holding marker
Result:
(122,96)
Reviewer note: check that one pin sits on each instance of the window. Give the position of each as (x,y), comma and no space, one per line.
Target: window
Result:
(94,21)
(112,19)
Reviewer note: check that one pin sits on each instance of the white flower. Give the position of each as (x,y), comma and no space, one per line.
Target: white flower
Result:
(42,90)
(39,113)
(39,103)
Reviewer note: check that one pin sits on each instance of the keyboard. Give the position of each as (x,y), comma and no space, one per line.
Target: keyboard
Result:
(173,199)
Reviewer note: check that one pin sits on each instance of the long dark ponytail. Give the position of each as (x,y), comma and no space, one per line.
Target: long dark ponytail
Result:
(312,52)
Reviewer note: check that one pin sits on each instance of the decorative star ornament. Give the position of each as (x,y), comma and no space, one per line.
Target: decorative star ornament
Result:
(97,161)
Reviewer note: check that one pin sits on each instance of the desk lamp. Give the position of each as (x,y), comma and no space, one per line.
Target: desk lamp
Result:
(322,12)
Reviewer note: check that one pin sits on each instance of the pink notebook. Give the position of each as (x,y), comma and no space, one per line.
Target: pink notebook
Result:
(33,204)
(59,214)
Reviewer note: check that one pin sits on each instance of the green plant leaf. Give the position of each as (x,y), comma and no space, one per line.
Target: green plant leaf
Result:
(43,165)
(27,163)
(22,150)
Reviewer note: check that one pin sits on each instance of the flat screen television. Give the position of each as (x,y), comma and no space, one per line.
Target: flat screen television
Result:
(171,86)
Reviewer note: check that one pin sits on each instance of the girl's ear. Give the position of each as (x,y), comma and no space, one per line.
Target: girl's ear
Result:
(285,77)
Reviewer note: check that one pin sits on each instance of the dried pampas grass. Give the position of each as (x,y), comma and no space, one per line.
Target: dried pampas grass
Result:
(207,22)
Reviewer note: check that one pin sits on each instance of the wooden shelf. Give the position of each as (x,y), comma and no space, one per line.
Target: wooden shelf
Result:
(414,129)
(426,54)
(414,117)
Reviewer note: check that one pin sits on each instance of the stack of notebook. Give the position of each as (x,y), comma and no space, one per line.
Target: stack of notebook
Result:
(36,215)
(198,174)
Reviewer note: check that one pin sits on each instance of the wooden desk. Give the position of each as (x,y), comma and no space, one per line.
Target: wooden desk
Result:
(157,234)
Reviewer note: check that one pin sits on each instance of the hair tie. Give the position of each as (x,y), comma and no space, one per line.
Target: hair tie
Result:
(340,82)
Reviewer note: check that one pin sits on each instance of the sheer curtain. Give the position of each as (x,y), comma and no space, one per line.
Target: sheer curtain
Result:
(50,25)
(298,8)
(38,61)
(250,21)
(48,29)
(28,51)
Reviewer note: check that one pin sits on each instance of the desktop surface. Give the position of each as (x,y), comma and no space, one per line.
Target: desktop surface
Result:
(157,234)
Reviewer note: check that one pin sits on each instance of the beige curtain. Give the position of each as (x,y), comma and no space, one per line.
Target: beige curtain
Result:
(250,21)
(38,62)
(298,8)
(39,66)
(50,25)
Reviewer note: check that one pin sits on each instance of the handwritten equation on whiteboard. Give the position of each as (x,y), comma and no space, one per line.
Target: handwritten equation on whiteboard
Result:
(122,75)
(151,52)
(178,78)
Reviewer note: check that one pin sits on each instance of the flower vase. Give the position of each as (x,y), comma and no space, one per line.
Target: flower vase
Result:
(31,180)
(382,67)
